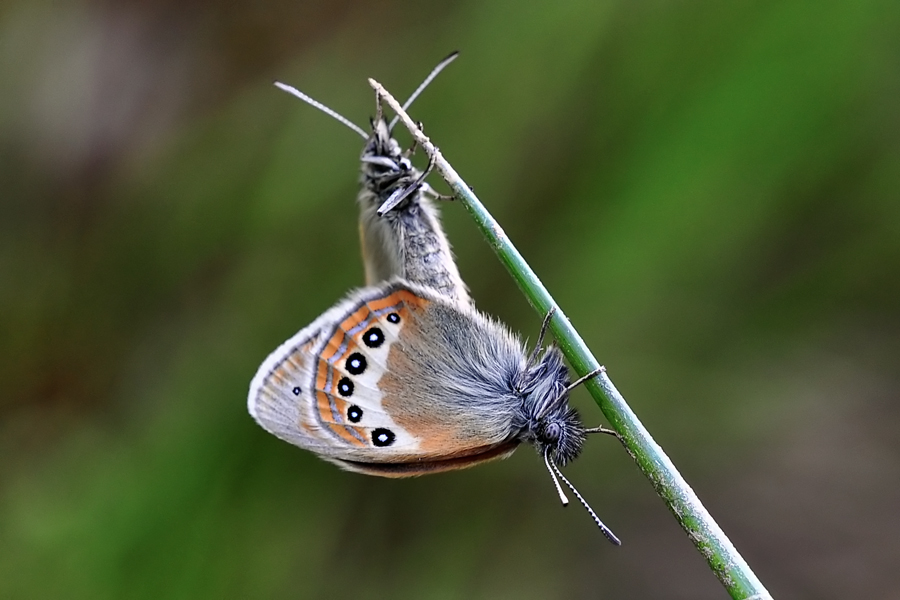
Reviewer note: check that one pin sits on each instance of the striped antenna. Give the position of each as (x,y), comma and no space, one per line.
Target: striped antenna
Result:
(434,73)
(554,469)
(294,91)
(559,490)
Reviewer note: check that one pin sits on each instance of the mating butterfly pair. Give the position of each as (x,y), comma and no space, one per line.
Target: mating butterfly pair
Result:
(405,377)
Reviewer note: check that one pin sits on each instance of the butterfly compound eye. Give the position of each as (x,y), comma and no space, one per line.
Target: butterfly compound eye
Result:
(552,432)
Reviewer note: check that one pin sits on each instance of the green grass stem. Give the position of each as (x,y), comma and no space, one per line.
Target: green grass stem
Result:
(729,566)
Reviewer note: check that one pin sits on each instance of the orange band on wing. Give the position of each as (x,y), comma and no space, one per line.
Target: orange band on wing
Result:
(323,405)
(398,297)
(358,316)
(327,406)
(350,433)
(340,343)
(321,375)
(334,345)
(331,409)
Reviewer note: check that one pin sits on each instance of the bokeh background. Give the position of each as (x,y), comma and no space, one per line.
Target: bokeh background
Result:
(709,190)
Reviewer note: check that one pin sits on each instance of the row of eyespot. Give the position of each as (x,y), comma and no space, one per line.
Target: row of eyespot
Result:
(356,364)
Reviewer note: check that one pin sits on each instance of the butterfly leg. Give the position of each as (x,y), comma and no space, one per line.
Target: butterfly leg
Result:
(401,194)
(583,378)
(602,429)
(415,144)
(434,194)
(606,430)
(539,345)
(426,189)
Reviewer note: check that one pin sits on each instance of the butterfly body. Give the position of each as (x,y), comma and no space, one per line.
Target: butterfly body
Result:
(397,380)
(406,241)
(406,377)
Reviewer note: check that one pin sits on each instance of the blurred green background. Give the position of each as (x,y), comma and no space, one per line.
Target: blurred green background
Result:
(710,190)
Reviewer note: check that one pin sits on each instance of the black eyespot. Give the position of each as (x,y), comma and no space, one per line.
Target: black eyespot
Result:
(382,437)
(296,391)
(393,317)
(356,363)
(345,387)
(354,413)
(373,338)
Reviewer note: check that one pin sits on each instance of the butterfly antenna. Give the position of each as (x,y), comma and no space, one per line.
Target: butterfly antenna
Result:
(606,531)
(434,73)
(294,91)
(559,490)
(532,360)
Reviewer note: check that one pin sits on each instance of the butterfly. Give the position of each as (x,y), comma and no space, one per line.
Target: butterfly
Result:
(400,228)
(405,377)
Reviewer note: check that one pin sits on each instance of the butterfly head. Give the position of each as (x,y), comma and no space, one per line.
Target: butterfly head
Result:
(384,167)
(547,420)
(381,142)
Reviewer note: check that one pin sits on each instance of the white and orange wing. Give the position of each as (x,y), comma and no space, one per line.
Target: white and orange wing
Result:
(372,385)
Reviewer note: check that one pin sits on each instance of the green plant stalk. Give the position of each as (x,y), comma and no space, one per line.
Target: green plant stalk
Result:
(724,559)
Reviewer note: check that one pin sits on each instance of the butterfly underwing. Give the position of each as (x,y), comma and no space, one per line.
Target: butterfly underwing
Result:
(398,380)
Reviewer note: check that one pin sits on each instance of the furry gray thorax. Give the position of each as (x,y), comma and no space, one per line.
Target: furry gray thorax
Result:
(384,168)
(546,421)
